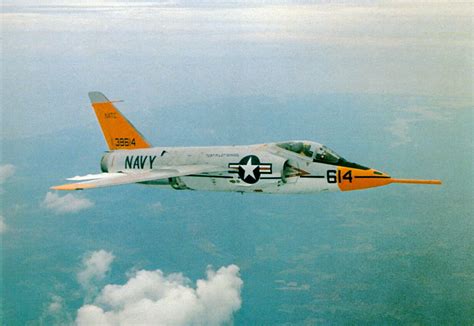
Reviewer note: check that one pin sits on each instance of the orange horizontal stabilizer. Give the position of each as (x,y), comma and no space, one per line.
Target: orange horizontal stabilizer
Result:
(426,182)
(73,186)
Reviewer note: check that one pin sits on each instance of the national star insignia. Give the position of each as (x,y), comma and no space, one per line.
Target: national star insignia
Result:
(249,169)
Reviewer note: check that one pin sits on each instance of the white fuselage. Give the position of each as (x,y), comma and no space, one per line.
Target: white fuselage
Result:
(262,168)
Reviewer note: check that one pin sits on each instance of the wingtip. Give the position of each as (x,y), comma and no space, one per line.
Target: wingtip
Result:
(72,186)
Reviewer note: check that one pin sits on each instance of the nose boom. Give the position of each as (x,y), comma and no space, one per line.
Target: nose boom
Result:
(425,182)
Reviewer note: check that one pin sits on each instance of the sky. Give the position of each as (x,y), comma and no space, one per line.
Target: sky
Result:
(385,84)
(63,49)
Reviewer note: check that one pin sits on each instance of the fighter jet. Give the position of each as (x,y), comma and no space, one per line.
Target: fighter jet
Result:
(290,167)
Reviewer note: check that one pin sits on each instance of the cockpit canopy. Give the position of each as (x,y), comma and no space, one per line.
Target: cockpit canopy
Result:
(318,153)
(299,147)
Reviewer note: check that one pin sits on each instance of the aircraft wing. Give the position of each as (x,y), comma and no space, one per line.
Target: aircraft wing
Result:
(121,178)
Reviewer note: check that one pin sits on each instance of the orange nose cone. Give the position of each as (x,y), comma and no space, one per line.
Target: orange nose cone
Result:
(355,179)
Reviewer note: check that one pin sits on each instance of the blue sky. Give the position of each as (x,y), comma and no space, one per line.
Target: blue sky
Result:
(189,51)
(388,85)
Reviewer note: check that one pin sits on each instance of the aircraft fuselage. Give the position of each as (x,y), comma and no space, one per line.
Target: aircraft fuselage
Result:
(286,167)
(264,168)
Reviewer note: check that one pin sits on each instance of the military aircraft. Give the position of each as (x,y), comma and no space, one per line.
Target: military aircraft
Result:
(280,168)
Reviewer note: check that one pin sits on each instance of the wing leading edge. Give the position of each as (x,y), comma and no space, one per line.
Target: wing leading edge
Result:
(121,178)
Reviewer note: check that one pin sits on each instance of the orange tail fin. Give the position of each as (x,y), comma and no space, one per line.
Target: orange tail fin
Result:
(119,133)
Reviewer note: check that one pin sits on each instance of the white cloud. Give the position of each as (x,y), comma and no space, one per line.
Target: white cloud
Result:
(152,298)
(425,113)
(56,312)
(3,226)
(66,204)
(56,305)
(6,171)
(157,207)
(292,286)
(412,24)
(400,127)
(95,266)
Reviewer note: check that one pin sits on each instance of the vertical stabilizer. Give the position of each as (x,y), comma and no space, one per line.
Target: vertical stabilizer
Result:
(119,133)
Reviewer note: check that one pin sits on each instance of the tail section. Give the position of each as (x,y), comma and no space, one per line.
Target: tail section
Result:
(119,133)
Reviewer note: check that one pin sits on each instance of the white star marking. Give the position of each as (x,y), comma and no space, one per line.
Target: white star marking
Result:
(249,169)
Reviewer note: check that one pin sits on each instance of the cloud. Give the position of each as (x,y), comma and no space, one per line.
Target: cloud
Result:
(157,207)
(66,204)
(341,23)
(425,113)
(3,226)
(56,305)
(400,127)
(291,286)
(368,47)
(153,298)
(95,266)
(56,313)
(6,171)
